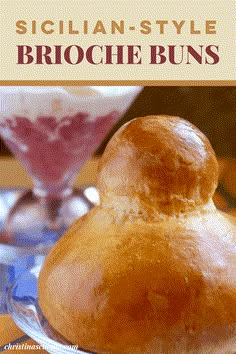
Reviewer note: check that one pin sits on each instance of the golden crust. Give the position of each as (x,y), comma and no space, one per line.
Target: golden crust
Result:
(133,277)
(161,161)
(167,287)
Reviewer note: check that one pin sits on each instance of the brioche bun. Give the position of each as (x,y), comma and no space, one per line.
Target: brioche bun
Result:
(152,269)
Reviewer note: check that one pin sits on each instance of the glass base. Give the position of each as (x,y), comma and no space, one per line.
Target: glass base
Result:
(22,304)
(34,221)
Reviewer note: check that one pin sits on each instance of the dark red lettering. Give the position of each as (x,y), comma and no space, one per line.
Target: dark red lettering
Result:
(110,54)
(24,56)
(212,54)
(80,54)
(157,52)
(58,54)
(43,51)
(89,54)
(133,52)
(173,54)
(191,51)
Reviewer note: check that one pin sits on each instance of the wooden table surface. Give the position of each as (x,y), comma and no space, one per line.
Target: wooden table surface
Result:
(12,174)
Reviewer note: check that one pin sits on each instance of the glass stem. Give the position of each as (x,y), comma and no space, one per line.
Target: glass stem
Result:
(51,199)
(52,209)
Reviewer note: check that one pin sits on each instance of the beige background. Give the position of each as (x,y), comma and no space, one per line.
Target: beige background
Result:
(132,12)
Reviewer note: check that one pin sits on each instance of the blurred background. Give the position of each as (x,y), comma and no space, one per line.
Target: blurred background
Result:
(211,109)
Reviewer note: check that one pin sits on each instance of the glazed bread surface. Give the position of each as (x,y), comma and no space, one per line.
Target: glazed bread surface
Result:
(152,268)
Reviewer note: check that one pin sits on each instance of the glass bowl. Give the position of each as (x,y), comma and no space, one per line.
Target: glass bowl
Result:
(22,304)
(53,131)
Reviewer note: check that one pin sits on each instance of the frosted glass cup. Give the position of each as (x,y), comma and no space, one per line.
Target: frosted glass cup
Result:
(53,131)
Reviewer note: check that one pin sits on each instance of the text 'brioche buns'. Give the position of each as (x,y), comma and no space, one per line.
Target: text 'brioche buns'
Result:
(152,269)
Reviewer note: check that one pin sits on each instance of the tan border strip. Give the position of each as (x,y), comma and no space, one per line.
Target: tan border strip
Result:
(116,82)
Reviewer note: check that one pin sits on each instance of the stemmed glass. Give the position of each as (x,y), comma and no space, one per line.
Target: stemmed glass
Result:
(53,131)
